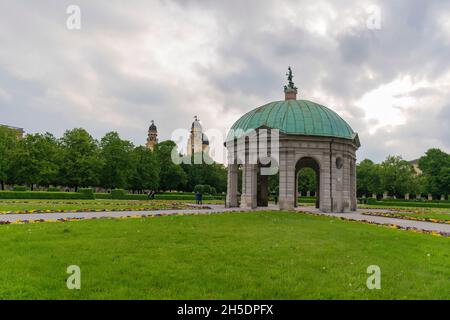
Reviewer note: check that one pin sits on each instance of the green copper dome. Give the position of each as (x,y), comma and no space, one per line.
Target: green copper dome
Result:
(300,117)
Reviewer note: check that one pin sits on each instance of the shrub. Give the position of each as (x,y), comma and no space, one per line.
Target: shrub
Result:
(207,189)
(87,192)
(19,188)
(118,194)
(53,189)
(198,188)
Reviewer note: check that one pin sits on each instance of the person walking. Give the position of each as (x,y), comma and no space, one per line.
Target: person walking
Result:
(197,197)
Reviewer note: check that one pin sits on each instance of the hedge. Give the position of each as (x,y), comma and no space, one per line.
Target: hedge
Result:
(413,200)
(42,195)
(19,188)
(405,203)
(87,193)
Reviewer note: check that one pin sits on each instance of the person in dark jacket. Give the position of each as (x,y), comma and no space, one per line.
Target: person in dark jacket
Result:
(197,197)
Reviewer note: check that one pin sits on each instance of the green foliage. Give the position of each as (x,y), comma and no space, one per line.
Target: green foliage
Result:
(213,174)
(117,158)
(145,170)
(435,166)
(8,143)
(368,178)
(172,176)
(19,188)
(404,203)
(81,162)
(87,192)
(53,189)
(41,195)
(118,194)
(307,180)
(396,175)
(205,189)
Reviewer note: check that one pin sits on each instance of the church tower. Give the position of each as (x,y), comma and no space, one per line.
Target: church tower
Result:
(198,141)
(152,139)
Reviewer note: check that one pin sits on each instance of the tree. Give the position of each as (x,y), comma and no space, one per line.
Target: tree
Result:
(368,178)
(8,143)
(172,176)
(396,175)
(116,155)
(435,165)
(307,180)
(146,170)
(35,160)
(81,163)
(206,173)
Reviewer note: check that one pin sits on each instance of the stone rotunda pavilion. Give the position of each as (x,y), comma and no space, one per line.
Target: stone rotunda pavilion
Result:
(309,135)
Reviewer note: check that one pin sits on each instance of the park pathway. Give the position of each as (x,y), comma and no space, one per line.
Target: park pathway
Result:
(358,216)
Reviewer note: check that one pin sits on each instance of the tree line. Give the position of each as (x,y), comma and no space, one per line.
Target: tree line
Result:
(398,177)
(78,160)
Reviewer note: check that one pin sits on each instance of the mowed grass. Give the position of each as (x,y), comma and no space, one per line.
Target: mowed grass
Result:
(257,255)
(29,205)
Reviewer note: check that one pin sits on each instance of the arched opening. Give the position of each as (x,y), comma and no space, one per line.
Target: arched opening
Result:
(307,178)
(267,182)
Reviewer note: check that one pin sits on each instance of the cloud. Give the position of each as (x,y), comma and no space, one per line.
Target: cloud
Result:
(170,60)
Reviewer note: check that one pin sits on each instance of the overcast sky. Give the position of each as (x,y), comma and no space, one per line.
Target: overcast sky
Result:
(134,61)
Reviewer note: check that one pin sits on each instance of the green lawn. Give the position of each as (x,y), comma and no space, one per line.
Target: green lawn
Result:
(258,255)
(29,205)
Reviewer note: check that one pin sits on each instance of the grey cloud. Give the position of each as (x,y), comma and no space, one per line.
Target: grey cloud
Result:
(74,77)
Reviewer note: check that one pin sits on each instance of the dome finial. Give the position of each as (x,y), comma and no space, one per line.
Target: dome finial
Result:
(290,90)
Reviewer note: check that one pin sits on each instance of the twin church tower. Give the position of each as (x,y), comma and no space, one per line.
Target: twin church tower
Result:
(198,141)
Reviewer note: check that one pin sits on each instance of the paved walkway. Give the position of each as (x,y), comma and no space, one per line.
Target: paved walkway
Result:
(428,226)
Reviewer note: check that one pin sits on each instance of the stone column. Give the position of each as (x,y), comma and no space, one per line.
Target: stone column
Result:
(249,186)
(308,193)
(407,196)
(385,195)
(418,196)
(326,187)
(442,197)
(430,197)
(353,197)
(374,195)
(232,186)
(287,180)
(296,191)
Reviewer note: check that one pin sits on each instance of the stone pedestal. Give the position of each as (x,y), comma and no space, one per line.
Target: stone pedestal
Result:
(442,197)
(385,195)
(374,195)
(308,193)
(430,197)
(406,196)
